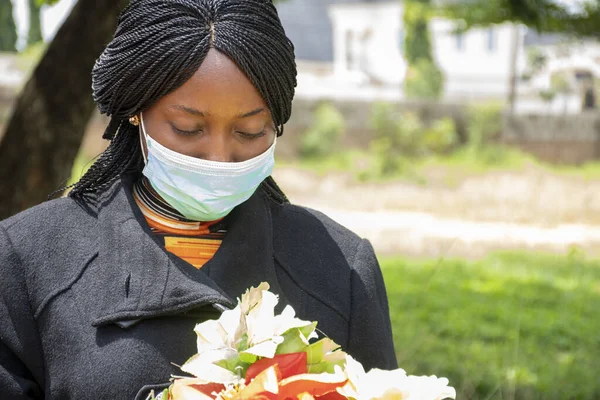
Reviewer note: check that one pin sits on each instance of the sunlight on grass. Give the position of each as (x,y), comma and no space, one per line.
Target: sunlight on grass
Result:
(513,324)
(29,57)
(454,167)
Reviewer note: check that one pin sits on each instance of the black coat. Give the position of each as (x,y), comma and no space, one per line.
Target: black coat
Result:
(92,306)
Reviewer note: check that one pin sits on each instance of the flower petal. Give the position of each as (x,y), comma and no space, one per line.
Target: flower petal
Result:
(210,335)
(265,349)
(287,320)
(313,384)
(260,319)
(288,364)
(252,297)
(264,386)
(202,366)
(192,389)
(428,388)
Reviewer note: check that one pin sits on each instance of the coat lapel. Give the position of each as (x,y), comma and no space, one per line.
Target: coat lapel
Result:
(143,280)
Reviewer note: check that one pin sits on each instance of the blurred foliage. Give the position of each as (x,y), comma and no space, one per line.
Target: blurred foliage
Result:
(542,15)
(8,29)
(400,138)
(324,134)
(536,59)
(485,124)
(441,137)
(513,325)
(559,82)
(35,26)
(424,80)
(547,95)
(417,39)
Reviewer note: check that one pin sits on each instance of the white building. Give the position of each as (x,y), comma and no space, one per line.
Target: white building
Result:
(480,62)
(576,61)
(367,41)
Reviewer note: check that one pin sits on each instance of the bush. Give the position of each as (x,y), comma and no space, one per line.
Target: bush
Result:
(403,132)
(403,137)
(424,81)
(485,124)
(323,137)
(441,137)
(398,137)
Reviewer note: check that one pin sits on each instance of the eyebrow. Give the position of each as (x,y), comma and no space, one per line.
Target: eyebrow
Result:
(199,113)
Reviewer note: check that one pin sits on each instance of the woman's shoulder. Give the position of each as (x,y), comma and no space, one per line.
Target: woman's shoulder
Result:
(49,216)
(299,221)
(46,228)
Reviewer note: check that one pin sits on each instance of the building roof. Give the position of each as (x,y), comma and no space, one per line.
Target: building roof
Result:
(533,38)
(307,24)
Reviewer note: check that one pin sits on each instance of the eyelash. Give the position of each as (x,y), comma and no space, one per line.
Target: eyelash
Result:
(245,135)
(185,133)
(251,136)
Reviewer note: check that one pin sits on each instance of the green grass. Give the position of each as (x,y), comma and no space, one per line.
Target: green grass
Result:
(339,161)
(511,326)
(456,166)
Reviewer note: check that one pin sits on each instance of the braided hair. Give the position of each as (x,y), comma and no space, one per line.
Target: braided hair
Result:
(158,45)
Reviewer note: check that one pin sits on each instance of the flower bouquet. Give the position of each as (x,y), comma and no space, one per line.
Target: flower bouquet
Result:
(251,353)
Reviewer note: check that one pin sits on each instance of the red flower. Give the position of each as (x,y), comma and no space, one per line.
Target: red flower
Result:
(288,365)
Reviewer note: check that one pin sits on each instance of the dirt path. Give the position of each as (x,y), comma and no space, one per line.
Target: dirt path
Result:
(532,210)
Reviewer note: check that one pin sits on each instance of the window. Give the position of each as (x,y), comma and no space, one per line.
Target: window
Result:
(401,40)
(460,41)
(491,40)
(350,43)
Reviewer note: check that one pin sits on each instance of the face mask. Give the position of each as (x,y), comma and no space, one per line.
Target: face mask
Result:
(203,190)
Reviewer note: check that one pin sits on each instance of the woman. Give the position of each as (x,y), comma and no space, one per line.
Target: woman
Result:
(101,290)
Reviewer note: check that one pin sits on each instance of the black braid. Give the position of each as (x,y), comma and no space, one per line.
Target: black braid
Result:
(158,45)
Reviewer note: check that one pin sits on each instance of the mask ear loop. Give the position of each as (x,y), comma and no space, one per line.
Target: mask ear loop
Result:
(143,136)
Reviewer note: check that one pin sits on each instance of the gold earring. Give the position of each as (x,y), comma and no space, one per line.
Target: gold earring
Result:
(135,120)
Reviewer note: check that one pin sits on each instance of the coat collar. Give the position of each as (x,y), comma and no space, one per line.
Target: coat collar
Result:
(142,280)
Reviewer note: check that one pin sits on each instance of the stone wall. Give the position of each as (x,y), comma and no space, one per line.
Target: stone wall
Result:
(357,120)
(569,139)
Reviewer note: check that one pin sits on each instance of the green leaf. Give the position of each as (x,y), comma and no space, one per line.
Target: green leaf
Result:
(324,355)
(231,364)
(243,344)
(248,358)
(318,351)
(295,340)
(325,366)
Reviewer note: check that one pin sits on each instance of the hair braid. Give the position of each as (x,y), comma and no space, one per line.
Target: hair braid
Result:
(158,45)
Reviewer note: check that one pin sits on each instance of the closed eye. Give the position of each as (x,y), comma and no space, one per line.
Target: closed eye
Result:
(247,135)
(185,133)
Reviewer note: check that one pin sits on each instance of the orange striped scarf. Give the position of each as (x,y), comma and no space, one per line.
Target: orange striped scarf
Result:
(194,242)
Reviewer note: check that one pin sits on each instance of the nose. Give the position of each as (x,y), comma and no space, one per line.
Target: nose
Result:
(217,148)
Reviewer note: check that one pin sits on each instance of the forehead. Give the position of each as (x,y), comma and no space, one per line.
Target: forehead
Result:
(218,87)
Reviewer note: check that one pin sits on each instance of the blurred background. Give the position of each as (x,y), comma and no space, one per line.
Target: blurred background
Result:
(461,137)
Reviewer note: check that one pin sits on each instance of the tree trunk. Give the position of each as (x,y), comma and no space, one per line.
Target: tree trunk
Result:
(35,27)
(50,116)
(8,30)
(514,59)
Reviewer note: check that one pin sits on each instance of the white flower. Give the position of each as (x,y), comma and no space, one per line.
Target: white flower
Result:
(249,331)
(392,385)
(428,388)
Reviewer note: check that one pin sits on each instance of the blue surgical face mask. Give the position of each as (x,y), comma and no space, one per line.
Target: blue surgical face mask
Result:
(203,190)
